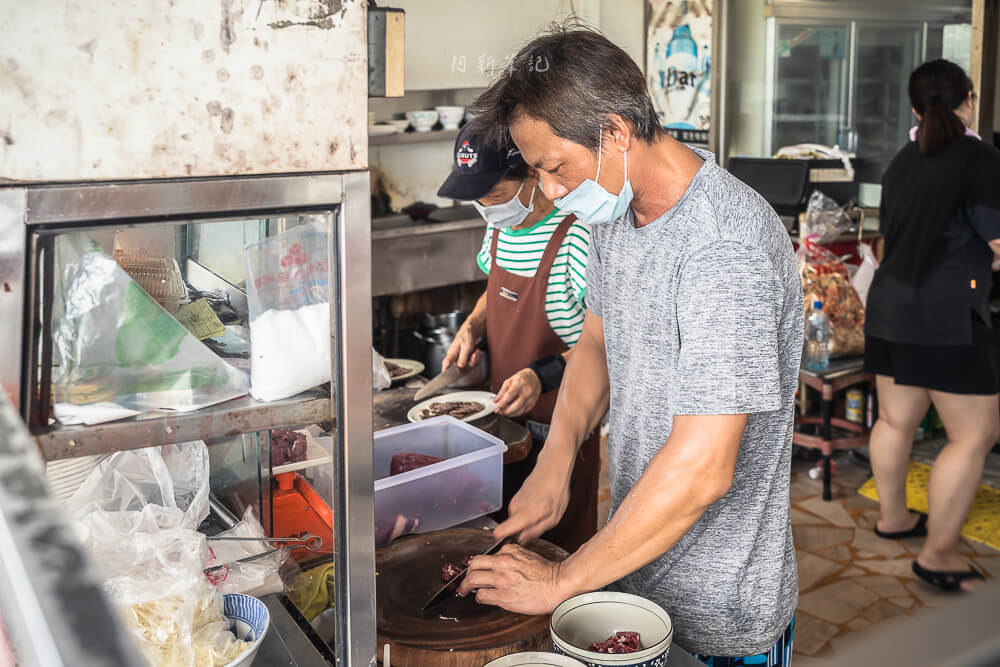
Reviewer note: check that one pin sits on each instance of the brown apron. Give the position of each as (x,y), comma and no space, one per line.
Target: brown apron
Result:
(518,332)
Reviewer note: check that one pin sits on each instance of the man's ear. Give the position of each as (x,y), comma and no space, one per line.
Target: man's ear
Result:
(621,131)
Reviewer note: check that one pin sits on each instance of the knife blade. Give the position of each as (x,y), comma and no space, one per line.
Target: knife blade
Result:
(445,590)
(438,383)
(443,380)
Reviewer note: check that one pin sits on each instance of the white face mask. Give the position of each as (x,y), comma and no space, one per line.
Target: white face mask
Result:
(508,214)
(592,203)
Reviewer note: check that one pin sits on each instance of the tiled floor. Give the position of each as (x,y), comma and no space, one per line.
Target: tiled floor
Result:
(849,579)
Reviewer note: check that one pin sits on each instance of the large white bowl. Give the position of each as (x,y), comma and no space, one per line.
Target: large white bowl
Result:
(582,620)
(450,117)
(250,619)
(534,660)
(423,120)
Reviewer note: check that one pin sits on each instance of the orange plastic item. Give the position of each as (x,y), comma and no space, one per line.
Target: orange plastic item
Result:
(299,509)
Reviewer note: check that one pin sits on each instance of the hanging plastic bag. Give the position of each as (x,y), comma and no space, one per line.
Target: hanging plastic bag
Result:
(289,301)
(862,278)
(825,278)
(288,294)
(114,345)
(380,374)
(825,220)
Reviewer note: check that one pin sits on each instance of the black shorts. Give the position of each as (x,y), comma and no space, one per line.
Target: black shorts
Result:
(955,369)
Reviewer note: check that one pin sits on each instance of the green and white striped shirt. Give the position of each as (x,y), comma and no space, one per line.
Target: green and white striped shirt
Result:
(520,252)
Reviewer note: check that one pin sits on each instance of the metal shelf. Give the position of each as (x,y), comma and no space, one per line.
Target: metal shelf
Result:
(242,415)
(412,137)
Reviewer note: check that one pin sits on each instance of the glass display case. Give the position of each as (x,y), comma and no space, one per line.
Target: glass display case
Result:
(182,242)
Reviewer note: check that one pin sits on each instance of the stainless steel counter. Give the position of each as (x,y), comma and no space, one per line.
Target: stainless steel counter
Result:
(409,256)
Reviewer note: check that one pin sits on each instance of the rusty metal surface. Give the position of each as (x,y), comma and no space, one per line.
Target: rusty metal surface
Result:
(182,88)
(51,599)
(242,415)
(12,261)
(98,202)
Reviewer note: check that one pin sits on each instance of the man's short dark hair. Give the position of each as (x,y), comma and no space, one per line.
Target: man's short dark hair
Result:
(572,78)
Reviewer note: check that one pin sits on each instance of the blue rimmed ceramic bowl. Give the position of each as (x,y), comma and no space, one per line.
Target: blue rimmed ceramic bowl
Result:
(535,660)
(250,621)
(593,617)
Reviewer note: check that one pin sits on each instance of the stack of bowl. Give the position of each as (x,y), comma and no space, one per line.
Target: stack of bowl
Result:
(586,619)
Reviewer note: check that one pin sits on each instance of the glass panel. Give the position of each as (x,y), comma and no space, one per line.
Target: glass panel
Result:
(886,55)
(213,246)
(955,41)
(810,83)
(131,352)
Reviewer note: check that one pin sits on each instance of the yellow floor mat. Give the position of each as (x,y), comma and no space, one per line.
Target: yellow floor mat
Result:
(983,522)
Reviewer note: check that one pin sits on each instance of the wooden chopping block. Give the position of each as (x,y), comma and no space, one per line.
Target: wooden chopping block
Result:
(457,632)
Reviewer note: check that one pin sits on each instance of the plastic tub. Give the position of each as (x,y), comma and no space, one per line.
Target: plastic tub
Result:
(466,485)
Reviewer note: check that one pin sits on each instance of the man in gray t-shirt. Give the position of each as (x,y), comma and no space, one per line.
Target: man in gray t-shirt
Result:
(692,340)
(702,312)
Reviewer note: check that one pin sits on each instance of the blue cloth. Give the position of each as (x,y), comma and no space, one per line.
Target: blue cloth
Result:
(779,656)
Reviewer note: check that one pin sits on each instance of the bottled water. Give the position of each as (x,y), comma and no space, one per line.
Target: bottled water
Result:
(683,69)
(817,352)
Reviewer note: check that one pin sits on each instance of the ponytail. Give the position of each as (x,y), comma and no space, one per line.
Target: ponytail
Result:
(938,127)
(936,89)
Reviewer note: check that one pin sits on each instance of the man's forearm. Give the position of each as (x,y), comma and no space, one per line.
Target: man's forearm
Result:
(583,400)
(673,492)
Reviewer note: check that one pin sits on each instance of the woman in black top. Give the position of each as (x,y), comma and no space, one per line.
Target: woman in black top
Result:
(927,330)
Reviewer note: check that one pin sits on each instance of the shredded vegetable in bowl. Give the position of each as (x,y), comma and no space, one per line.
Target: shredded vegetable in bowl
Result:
(184,631)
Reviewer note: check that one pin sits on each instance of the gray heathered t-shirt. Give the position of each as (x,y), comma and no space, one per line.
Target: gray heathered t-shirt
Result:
(702,314)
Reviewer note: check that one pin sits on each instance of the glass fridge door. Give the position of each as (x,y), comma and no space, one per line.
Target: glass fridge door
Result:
(810,83)
(884,58)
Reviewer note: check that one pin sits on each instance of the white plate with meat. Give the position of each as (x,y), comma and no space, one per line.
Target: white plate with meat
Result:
(465,405)
(403,369)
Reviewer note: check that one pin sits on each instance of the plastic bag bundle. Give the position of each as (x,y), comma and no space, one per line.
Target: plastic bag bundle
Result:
(137,515)
(825,278)
(114,344)
(825,220)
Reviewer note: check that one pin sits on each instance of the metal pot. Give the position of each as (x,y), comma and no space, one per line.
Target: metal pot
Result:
(437,333)
(450,321)
(436,343)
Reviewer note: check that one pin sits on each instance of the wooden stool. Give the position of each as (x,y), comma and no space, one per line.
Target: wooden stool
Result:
(841,374)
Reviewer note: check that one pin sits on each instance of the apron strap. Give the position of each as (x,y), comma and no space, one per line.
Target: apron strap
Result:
(554,245)
(493,248)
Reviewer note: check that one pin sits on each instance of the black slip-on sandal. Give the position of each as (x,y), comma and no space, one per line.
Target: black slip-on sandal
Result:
(946,581)
(919,530)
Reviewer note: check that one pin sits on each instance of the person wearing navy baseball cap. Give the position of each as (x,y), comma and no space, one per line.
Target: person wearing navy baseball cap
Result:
(532,312)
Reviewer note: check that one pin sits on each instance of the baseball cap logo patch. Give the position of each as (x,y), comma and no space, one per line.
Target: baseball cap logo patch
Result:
(466,155)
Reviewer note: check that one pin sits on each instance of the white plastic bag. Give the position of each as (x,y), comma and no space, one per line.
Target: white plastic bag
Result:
(824,219)
(145,490)
(115,344)
(862,279)
(137,515)
(380,374)
(288,295)
(257,577)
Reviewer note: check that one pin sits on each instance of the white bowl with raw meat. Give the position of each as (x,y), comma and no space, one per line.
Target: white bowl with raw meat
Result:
(582,621)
